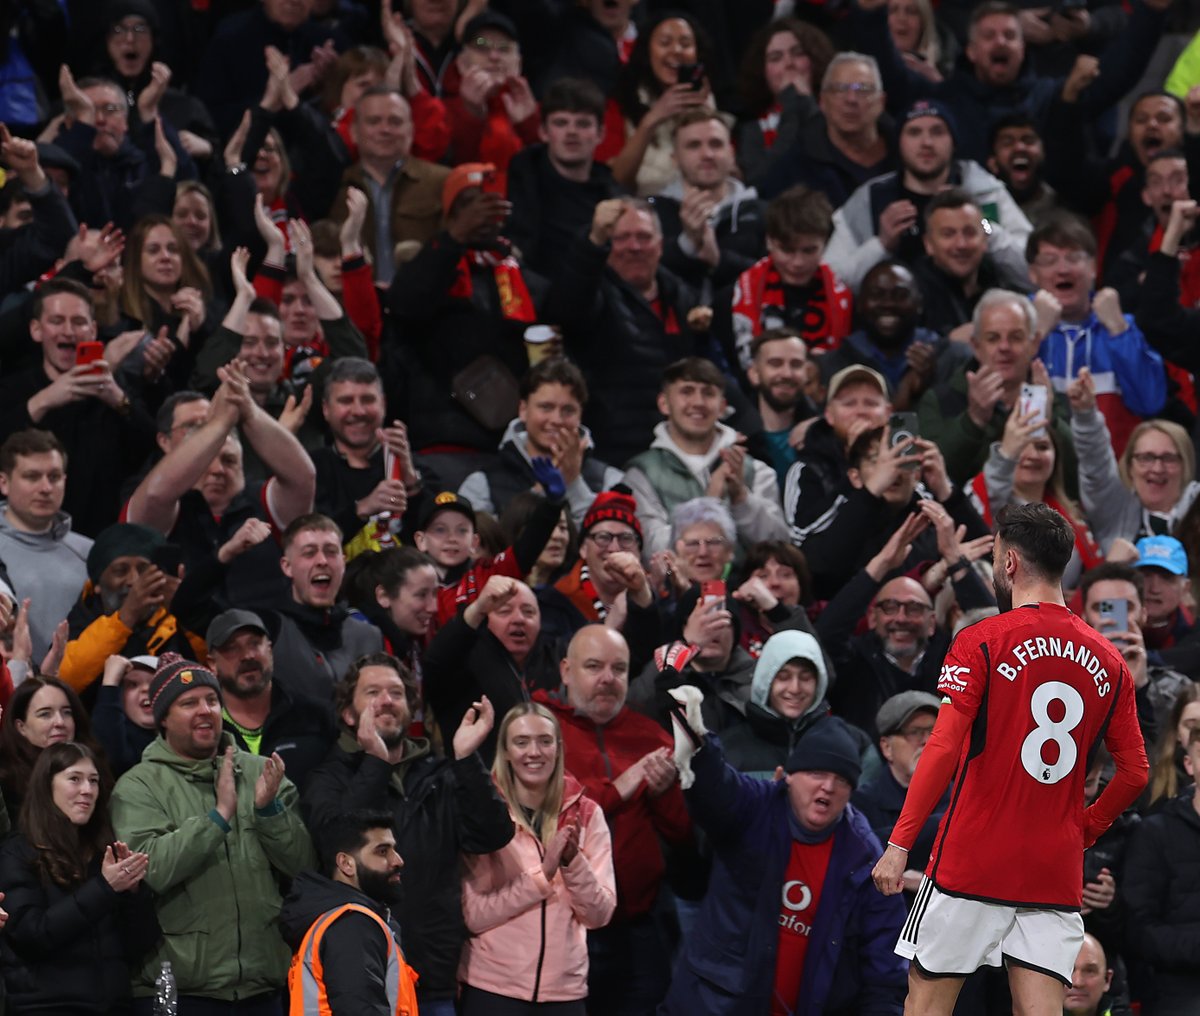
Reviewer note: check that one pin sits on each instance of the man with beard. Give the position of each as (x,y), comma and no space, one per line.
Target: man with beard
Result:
(222,828)
(348,959)
(261,714)
(891,341)
(353,486)
(905,722)
(1027,696)
(780,372)
(885,217)
(441,807)
(1017,157)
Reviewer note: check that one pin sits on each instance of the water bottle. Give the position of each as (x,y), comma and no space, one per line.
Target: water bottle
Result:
(166,1001)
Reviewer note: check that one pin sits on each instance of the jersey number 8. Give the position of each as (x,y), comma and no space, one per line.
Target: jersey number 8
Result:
(1058,731)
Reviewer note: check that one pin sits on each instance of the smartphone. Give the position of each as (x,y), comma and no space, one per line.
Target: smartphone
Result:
(713,589)
(89,352)
(1114,614)
(691,74)
(1034,397)
(167,558)
(904,428)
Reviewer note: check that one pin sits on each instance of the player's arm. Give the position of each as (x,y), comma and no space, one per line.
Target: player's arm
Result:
(1124,741)
(962,680)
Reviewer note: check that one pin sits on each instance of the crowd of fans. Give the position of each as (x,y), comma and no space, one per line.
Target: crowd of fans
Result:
(398,405)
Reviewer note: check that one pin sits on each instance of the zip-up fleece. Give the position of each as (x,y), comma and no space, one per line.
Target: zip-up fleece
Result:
(528,935)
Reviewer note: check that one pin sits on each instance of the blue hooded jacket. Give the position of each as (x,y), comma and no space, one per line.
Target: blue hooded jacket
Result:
(728,964)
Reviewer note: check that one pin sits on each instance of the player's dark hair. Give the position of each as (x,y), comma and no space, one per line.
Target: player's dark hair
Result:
(1113,571)
(1042,537)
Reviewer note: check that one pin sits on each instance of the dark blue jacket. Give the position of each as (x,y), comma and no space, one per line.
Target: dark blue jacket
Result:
(728,965)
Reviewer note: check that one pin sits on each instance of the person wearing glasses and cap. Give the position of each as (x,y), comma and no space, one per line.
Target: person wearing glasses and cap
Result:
(904,722)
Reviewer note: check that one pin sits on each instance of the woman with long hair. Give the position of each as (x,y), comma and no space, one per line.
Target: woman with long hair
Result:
(529,906)
(780,76)
(67,884)
(1167,775)
(1145,493)
(1025,467)
(650,96)
(43,711)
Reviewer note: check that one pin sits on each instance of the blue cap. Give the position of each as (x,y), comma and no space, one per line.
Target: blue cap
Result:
(1163,552)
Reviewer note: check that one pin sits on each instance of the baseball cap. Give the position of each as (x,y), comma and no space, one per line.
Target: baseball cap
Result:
(222,627)
(1163,552)
(899,709)
(447,501)
(856,372)
(470,174)
(490,19)
(145,662)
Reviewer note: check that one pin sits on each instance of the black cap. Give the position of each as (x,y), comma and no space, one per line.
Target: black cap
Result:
(490,19)
(827,747)
(899,709)
(223,627)
(447,501)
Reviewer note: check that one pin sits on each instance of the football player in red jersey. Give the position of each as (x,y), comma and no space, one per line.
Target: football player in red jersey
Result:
(1027,696)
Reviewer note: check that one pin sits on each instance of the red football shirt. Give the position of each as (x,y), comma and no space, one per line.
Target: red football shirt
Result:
(1037,688)
(801,895)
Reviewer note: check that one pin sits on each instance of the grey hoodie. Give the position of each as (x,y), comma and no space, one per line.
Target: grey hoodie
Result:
(778,650)
(49,569)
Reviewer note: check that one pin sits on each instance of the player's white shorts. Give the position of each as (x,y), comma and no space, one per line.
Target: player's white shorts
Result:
(947,936)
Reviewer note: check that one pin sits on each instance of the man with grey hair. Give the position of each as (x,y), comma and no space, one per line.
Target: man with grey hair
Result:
(694,454)
(966,413)
(625,318)
(840,147)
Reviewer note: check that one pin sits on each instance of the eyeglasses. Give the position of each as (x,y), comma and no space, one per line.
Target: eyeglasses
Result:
(713,544)
(890,608)
(139,28)
(1074,257)
(503,48)
(626,541)
(851,88)
(914,735)
(112,108)
(1168,460)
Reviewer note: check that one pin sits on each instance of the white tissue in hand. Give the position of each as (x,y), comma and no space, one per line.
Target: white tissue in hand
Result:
(690,697)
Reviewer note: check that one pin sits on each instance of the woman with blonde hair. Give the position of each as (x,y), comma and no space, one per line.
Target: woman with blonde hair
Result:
(1149,491)
(529,906)
(1167,775)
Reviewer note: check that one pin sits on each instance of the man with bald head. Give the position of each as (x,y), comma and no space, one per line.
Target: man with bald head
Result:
(623,760)
(1090,980)
(903,649)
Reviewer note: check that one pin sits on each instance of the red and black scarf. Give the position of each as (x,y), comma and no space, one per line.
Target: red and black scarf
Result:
(827,315)
(515,302)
